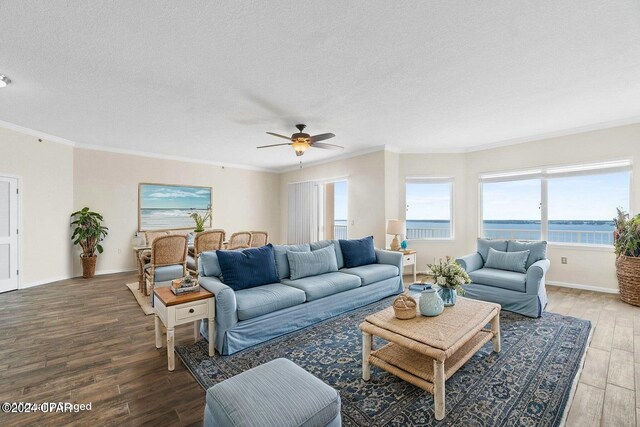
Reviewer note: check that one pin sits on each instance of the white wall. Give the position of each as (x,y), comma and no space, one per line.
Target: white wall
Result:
(366,188)
(46,195)
(108,183)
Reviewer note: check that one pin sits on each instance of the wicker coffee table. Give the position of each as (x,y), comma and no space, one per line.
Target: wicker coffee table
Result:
(426,351)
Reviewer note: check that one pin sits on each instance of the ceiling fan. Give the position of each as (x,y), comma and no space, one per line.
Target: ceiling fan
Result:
(301,141)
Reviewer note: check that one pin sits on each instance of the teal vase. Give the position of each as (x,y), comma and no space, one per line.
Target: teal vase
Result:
(430,303)
(404,244)
(448,296)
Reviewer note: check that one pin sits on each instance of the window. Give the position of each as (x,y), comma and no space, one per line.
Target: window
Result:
(429,204)
(568,205)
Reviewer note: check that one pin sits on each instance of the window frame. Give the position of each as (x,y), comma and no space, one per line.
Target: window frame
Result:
(433,180)
(550,172)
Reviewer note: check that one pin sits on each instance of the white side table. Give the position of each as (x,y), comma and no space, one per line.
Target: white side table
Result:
(409,259)
(173,310)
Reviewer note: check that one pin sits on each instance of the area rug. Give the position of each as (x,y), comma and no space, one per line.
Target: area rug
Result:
(144,301)
(529,383)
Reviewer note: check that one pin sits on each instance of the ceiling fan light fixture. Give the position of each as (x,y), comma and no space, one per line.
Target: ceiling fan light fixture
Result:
(300,147)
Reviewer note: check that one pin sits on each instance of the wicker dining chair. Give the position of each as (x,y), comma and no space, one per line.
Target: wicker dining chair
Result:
(258,238)
(168,261)
(210,240)
(239,240)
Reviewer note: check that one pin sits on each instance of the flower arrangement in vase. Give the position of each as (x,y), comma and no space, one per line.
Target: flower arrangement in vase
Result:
(450,278)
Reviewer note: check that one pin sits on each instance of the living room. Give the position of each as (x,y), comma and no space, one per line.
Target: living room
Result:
(459,123)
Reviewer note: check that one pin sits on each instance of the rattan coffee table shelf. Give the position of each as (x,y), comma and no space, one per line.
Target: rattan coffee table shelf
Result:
(426,351)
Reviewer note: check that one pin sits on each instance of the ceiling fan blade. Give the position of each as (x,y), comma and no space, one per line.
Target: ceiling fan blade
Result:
(273,145)
(280,136)
(321,137)
(327,146)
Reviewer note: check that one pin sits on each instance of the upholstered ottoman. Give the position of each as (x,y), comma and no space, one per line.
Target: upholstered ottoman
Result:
(278,393)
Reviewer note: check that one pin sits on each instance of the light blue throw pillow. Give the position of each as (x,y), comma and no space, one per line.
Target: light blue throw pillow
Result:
(537,250)
(485,244)
(282,262)
(305,264)
(510,261)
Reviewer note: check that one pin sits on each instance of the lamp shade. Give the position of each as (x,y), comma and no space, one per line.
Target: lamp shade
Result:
(395,226)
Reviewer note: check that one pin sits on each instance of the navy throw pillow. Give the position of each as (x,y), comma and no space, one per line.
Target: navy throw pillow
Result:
(357,252)
(248,268)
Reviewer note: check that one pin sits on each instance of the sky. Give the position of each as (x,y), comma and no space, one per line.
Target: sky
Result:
(340,200)
(168,196)
(593,197)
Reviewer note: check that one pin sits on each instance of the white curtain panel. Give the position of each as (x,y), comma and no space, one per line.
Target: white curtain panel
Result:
(303,212)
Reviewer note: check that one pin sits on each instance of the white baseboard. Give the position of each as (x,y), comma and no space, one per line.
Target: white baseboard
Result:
(57,279)
(583,287)
(42,282)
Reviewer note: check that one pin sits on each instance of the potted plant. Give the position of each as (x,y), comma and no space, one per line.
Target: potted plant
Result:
(626,242)
(200,219)
(449,277)
(88,232)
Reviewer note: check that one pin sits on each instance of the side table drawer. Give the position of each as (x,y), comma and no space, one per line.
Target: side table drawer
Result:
(196,310)
(409,259)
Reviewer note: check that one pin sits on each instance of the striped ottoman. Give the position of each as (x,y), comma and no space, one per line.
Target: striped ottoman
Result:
(278,393)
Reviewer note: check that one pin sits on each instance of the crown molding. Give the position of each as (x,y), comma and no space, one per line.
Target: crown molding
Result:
(124,151)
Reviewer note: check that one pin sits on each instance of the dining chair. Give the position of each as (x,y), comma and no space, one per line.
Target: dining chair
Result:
(239,240)
(210,240)
(168,261)
(258,238)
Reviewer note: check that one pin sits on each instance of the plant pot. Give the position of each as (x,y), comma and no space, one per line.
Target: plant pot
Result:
(88,266)
(448,296)
(628,272)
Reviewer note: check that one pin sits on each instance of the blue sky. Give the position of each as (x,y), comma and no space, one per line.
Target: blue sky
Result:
(341,202)
(168,196)
(593,197)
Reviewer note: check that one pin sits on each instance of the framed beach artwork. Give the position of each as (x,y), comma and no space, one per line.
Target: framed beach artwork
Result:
(169,207)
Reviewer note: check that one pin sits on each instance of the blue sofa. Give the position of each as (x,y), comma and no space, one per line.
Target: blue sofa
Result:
(247,317)
(521,292)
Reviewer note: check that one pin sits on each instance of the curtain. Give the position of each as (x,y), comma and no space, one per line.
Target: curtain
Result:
(303,212)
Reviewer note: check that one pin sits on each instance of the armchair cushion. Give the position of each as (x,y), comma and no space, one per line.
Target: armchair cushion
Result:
(208,264)
(357,252)
(191,262)
(166,273)
(485,244)
(305,264)
(499,279)
(509,261)
(537,250)
(248,268)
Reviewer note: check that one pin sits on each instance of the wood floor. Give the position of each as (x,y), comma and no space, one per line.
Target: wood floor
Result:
(88,341)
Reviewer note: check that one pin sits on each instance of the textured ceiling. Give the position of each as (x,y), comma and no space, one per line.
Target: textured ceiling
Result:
(205,80)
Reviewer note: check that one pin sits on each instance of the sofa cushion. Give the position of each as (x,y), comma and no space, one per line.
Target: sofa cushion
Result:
(336,245)
(166,273)
(357,252)
(373,273)
(259,300)
(509,261)
(208,263)
(305,264)
(316,287)
(537,250)
(248,268)
(485,244)
(499,279)
(280,255)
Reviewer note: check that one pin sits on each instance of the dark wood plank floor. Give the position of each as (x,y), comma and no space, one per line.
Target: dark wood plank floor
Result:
(84,341)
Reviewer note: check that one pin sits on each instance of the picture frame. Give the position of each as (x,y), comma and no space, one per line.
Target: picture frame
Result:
(169,206)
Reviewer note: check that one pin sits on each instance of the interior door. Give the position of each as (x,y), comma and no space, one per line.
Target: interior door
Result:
(8,234)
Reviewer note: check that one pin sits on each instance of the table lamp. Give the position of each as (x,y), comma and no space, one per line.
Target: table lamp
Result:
(395,227)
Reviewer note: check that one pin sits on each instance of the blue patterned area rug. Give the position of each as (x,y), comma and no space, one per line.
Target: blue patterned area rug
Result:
(528,384)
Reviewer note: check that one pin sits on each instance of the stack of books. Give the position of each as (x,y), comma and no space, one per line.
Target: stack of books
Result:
(419,287)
